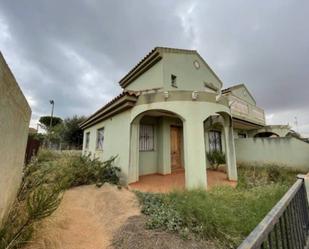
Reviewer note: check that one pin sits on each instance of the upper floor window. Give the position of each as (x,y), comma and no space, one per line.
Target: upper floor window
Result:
(100,138)
(173,80)
(87,140)
(146,138)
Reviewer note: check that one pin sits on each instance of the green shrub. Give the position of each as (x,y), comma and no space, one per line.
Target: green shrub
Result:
(223,214)
(18,228)
(47,155)
(44,180)
(250,176)
(215,158)
(81,170)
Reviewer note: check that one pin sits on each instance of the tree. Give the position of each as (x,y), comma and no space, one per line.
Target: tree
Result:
(72,134)
(45,122)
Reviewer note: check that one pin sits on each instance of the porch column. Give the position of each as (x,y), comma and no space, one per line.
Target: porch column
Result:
(194,154)
(134,153)
(230,153)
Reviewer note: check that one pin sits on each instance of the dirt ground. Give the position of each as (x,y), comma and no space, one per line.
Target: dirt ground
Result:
(87,218)
(134,235)
(103,218)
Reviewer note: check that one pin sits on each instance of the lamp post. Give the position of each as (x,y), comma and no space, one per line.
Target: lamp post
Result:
(52,102)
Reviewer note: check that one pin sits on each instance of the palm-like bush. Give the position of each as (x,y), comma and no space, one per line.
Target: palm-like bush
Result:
(215,158)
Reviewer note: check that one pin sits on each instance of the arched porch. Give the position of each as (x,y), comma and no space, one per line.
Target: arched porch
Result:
(156,131)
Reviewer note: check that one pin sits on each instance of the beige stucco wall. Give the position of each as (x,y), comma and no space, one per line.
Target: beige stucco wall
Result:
(181,65)
(116,140)
(244,94)
(15,115)
(188,77)
(289,152)
(153,78)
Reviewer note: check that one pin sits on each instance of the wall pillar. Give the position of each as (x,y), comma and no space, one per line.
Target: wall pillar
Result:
(194,154)
(134,153)
(230,153)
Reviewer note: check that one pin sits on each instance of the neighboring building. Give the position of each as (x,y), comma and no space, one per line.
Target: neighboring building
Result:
(172,111)
(14,122)
(171,99)
(248,118)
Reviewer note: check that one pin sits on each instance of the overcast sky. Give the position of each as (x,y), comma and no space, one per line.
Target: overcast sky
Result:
(75,51)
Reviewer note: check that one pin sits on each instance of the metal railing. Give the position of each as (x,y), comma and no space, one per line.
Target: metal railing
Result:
(286,226)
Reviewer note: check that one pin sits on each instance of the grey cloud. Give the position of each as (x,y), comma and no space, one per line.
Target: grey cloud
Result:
(76,51)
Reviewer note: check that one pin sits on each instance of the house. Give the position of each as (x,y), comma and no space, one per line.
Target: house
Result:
(172,111)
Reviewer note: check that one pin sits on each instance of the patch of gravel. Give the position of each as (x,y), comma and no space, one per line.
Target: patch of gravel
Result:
(134,235)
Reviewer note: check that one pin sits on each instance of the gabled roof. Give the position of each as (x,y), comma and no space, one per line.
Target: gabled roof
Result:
(230,89)
(152,58)
(120,103)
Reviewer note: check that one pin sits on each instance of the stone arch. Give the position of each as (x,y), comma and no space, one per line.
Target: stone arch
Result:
(135,156)
(266,134)
(223,120)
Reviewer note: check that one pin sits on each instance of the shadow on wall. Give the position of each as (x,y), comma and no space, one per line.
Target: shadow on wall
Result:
(287,151)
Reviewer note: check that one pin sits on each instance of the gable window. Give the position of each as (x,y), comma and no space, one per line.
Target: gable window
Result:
(146,138)
(215,141)
(87,140)
(173,80)
(100,138)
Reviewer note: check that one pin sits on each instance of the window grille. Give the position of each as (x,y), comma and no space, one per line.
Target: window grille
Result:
(100,139)
(215,141)
(146,138)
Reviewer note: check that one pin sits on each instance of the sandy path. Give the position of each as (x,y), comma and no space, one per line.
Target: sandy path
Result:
(87,218)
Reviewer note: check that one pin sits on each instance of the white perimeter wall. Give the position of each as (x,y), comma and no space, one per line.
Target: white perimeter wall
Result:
(285,151)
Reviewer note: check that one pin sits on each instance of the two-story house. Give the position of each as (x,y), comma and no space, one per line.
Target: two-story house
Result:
(172,111)
(170,100)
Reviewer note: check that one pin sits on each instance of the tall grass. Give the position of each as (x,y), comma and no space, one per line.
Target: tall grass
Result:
(224,214)
(44,181)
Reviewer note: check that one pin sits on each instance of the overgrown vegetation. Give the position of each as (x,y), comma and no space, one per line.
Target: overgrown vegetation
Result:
(215,158)
(44,181)
(224,214)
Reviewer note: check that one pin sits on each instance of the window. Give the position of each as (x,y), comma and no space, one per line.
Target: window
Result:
(173,80)
(242,135)
(146,138)
(100,139)
(215,141)
(87,140)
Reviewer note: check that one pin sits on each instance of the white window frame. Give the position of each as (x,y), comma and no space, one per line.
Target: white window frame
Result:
(146,137)
(100,140)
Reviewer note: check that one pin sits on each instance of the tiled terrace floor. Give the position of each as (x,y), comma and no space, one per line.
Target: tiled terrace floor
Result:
(165,183)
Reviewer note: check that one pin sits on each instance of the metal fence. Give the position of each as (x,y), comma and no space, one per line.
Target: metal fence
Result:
(286,226)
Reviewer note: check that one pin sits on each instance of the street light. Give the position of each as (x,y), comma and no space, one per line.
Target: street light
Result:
(52,102)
